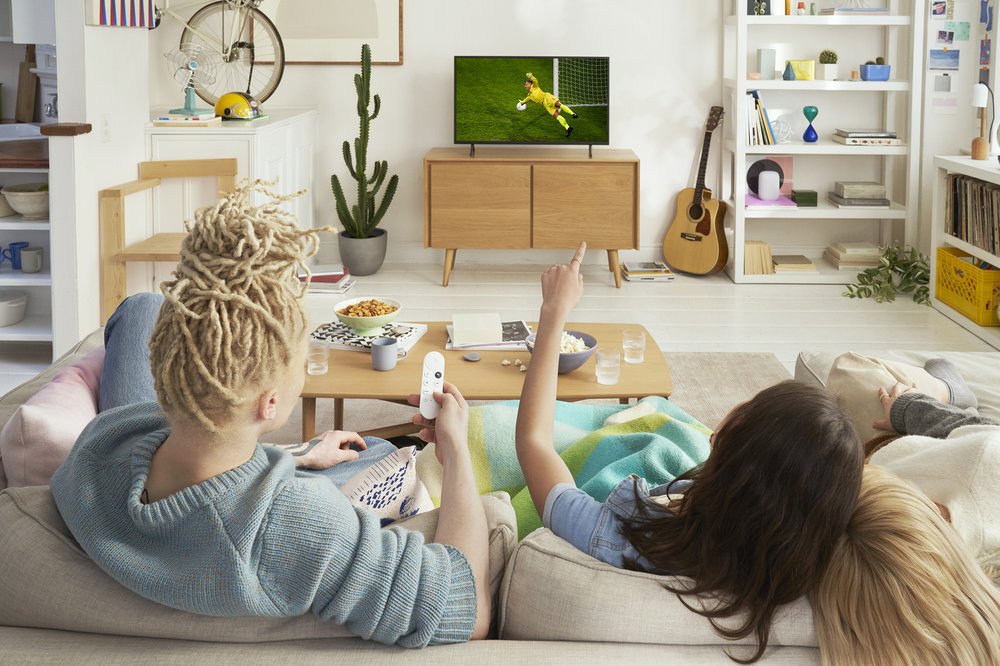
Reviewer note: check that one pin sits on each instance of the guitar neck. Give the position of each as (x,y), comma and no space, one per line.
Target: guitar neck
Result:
(706,145)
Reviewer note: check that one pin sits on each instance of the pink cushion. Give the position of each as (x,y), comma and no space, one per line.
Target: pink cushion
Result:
(40,434)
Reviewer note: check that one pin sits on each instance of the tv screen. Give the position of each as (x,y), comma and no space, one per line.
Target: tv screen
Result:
(553,100)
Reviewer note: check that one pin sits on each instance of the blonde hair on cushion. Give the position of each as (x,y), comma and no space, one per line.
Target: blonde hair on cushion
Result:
(901,587)
(232,315)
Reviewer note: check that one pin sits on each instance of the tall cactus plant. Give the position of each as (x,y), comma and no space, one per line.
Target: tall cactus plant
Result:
(361,219)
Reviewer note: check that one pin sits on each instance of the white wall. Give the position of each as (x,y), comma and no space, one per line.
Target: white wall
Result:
(101,72)
(665,74)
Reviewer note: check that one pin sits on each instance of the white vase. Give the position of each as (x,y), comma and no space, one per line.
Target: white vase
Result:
(828,71)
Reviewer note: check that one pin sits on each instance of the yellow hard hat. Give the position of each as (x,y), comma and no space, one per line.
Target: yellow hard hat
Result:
(238,106)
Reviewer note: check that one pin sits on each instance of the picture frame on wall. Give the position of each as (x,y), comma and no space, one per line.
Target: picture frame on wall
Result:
(331,32)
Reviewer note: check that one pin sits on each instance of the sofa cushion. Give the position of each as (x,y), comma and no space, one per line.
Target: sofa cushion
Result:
(552,591)
(40,434)
(49,582)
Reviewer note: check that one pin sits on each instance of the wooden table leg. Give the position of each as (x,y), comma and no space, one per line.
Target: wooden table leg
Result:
(449,264)
(615,267)
(338,413)
(308,418)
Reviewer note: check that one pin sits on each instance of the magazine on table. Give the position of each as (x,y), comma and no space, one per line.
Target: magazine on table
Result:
(513,336)
(339,336)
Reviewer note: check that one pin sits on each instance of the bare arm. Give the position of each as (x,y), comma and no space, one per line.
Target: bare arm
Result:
(562,287)
(461,520)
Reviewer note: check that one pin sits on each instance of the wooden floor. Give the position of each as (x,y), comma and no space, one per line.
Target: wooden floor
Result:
(688,314)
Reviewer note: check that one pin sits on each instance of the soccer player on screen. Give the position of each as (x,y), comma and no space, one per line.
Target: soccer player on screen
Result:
(549,101)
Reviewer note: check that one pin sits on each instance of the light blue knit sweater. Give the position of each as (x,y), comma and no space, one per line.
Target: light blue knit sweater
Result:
(256,540)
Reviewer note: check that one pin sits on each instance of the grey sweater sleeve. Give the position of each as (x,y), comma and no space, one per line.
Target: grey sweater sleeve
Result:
(917,414)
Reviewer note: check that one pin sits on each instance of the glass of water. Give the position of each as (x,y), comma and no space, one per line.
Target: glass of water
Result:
(634,345)
(609,365)
(319,358)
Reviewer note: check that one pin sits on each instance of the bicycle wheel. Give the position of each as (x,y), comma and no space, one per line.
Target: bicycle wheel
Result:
(257,43)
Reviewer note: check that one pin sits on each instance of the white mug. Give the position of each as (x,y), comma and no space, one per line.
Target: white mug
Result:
(31,259)
(768,185)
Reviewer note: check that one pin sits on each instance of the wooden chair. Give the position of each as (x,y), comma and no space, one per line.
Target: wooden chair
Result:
(158,247)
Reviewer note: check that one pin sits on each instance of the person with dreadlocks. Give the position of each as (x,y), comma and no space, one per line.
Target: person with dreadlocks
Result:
(170,493)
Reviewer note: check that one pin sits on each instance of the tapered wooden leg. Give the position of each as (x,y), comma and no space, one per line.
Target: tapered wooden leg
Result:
(449,264)
(338,413)
(308,418)
(615,267)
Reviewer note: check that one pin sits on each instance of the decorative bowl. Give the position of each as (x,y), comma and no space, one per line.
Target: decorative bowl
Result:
(875,72)
(570,361)
(366,326)
(31,200)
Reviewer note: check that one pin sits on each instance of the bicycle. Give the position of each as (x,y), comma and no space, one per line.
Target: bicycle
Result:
(252,56)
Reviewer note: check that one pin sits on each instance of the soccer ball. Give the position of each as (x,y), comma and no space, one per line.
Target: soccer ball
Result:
(521,106)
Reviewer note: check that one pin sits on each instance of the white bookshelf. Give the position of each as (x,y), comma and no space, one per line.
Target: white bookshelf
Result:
(986,170)
(893,104)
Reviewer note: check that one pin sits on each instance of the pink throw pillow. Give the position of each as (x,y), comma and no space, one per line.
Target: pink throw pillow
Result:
(43,430)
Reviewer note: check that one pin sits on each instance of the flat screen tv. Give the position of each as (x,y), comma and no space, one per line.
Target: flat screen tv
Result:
(542,100)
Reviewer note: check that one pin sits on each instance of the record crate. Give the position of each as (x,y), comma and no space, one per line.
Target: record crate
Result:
(973,291)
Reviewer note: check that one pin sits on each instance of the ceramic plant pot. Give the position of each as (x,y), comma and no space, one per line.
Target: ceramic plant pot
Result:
(363,256)
(828,71)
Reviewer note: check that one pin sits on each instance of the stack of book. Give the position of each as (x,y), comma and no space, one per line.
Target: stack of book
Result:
(759,129)
(843,8)
(858,194)
(646,271)
(181,120)
(793,263)
(853,255)
(329,279)
(867,137)
(757,258)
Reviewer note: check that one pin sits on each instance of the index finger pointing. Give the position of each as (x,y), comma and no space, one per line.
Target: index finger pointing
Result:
(578,257)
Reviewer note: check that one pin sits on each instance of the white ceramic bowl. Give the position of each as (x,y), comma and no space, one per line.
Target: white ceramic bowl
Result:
(31,200)
(12,307)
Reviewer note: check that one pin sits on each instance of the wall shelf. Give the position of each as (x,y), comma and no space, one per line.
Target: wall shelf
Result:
(18,223)
(818,85)
(33,328)
(847,21)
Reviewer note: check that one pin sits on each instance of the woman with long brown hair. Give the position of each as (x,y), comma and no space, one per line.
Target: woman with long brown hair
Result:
(753,526)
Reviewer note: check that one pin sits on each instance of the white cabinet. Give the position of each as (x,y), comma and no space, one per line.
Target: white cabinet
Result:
(984,170)
(816,166)
(37,325)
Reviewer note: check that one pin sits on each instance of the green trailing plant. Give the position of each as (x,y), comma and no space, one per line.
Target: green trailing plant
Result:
(827,57)
(899,271)
(361,219)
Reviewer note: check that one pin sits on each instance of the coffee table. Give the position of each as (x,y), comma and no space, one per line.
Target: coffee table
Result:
(351,376)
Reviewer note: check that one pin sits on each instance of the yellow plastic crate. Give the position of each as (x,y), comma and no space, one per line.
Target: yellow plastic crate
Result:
(969,289)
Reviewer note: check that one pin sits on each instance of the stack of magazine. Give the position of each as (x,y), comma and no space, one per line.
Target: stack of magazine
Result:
(646,271)
(329,279)
(867,137)
(511,335)
(858,194)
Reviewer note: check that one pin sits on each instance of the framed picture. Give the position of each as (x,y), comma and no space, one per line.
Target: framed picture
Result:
(331,32)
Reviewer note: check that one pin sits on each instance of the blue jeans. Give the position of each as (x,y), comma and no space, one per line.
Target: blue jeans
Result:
(127,378)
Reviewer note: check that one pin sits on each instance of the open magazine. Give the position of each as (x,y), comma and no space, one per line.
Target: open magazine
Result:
(513,335)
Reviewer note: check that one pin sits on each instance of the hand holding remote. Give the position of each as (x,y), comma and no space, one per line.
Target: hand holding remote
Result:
(431,382)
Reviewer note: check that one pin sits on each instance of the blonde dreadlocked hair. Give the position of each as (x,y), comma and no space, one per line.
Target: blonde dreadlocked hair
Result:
(232,315)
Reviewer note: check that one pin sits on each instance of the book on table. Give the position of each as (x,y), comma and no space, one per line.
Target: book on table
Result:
(513,335)
(851,189)
(865,133)
(340,287)
(339,336)
(793,263)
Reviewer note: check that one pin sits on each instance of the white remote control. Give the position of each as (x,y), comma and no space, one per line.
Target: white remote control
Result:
(431,381)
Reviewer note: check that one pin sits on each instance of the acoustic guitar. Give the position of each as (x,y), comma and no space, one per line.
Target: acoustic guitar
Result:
(695,241)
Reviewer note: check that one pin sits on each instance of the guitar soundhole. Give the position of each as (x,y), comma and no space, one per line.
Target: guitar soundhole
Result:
(695,213)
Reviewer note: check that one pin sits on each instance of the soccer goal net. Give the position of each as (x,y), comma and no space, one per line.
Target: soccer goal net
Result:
(581,81)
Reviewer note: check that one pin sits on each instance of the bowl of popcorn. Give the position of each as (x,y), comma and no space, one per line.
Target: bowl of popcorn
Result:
(366,316)
(575,348)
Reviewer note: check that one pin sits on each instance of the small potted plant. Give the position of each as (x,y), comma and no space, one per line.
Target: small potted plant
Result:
(875,70)
(362,244)
(828,65)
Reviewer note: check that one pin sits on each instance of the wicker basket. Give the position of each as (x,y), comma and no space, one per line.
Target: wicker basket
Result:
(971,290)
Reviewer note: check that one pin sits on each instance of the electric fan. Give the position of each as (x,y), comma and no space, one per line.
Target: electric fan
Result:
(193,67)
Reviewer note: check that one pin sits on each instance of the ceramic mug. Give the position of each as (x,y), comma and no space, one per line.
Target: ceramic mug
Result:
(31,259)
(385,352)
(13,254)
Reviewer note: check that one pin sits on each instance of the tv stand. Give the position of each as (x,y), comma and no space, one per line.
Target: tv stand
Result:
(521,198)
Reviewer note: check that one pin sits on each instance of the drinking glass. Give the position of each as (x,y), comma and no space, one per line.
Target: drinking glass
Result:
(319,358)
(609,365)
(634,345)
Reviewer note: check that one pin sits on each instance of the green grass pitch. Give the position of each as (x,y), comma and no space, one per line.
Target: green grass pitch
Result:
(487,90)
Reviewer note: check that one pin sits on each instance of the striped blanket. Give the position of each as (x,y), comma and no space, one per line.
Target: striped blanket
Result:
(658,446)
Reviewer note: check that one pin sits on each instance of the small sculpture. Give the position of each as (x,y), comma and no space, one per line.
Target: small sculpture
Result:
(810,135)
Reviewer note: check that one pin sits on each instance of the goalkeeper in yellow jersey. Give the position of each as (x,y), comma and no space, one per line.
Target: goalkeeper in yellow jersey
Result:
(552,105)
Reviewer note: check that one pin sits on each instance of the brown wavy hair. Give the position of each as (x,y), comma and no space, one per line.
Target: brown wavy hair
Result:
(756,527)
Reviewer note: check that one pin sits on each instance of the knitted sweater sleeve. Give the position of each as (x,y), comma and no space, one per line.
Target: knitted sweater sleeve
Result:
(917,414)
(319,553)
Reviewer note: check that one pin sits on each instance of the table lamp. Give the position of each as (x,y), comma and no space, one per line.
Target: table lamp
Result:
(981,95)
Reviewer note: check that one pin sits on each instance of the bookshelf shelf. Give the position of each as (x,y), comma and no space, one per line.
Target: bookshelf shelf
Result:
(985,171)
(893,105)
